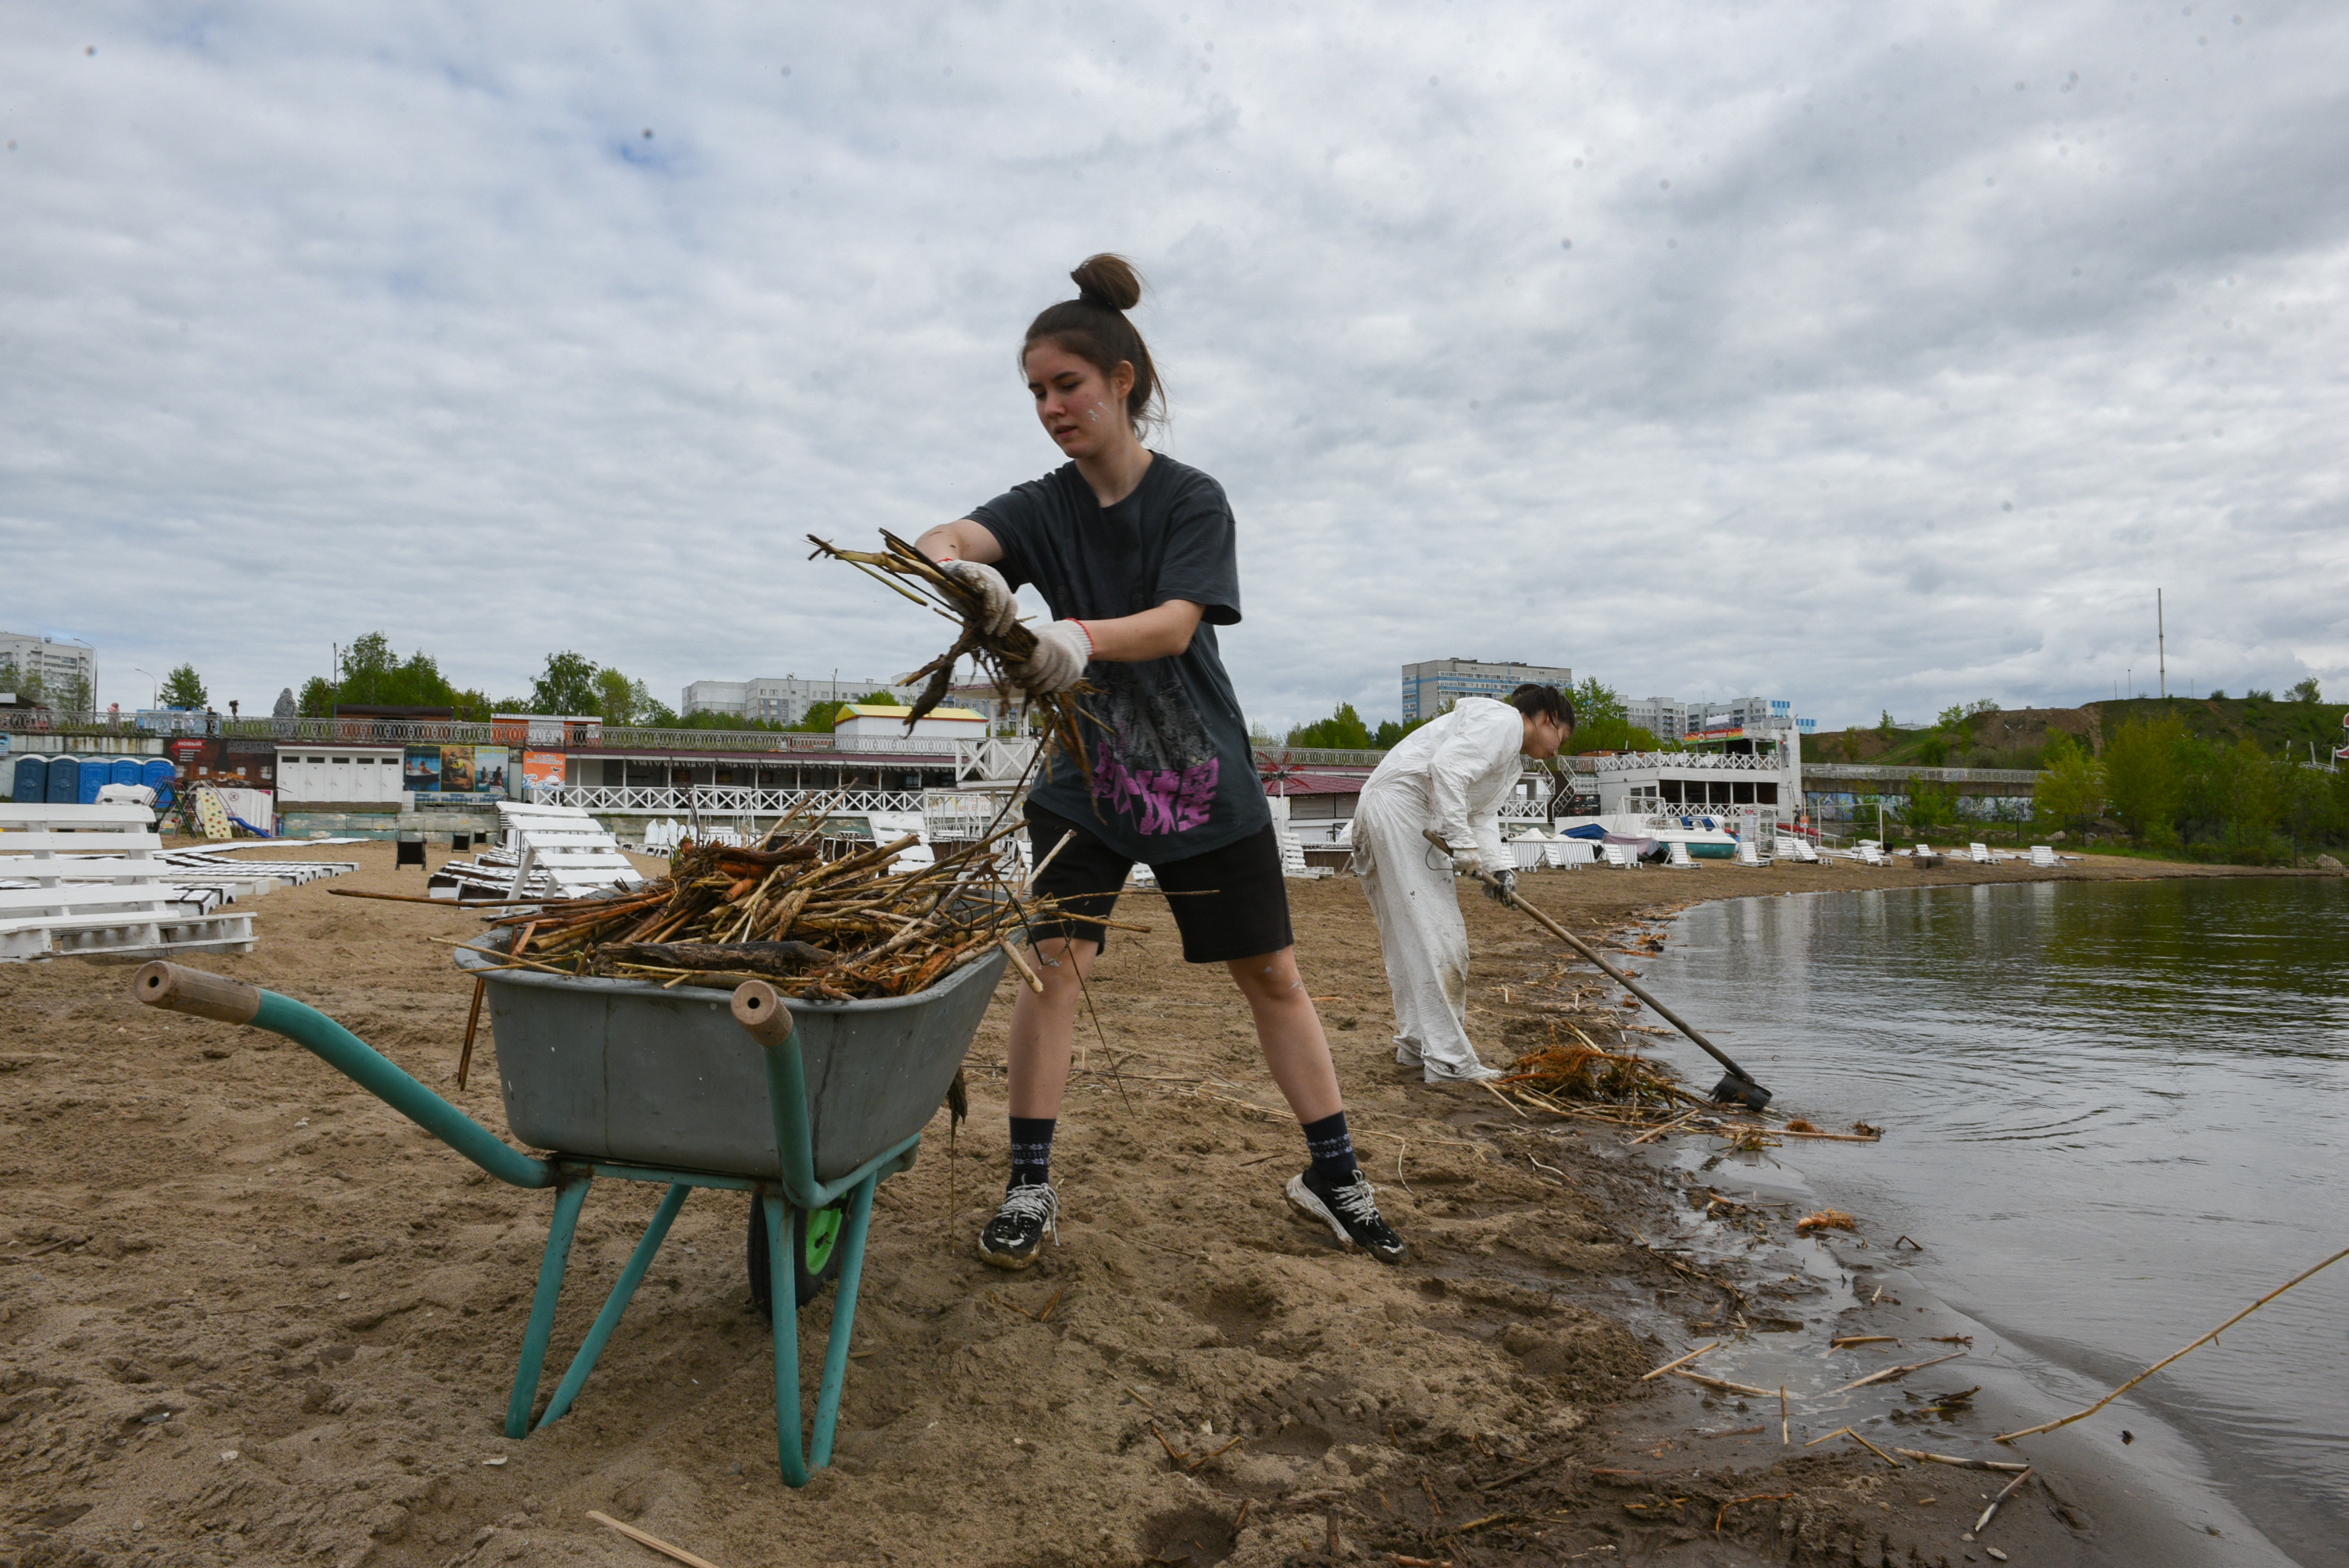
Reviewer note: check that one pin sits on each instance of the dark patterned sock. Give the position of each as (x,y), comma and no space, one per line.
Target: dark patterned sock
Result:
(1332,1148)
(1031,1151)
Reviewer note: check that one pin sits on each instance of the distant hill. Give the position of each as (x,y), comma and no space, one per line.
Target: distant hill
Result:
(2017,738)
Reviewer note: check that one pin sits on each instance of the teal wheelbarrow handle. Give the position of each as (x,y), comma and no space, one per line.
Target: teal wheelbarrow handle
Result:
(209,995)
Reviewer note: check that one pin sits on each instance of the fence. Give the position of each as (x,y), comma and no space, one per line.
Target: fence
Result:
(717,800)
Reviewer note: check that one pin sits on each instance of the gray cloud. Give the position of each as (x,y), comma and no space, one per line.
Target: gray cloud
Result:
(1799,351)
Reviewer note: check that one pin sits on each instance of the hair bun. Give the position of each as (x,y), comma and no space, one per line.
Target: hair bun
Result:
(1108,281)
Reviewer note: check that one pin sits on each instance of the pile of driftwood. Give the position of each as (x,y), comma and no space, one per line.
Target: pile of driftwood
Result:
(836,929)
(997,656)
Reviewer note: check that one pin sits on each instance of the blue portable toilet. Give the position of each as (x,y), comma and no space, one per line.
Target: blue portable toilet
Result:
(64,781)
(125,770)
(32,780)
(96,773)
(160,776)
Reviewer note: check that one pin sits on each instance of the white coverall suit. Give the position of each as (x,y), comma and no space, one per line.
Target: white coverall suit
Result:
(1451,775)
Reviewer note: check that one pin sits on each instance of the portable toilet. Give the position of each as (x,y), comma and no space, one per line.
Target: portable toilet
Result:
(64,781)
(127,770)
(96,773)
(160,775)
(31,779)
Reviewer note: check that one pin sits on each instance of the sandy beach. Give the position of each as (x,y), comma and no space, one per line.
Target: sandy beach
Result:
(248,1313)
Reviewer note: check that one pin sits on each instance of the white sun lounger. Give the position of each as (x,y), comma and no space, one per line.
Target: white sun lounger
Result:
(1618,859)
(2042,854)
(1871,854)
(1680,857)
(1980,854)
(1749,853)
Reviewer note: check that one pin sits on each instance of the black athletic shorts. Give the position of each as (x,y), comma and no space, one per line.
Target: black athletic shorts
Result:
(1241,910)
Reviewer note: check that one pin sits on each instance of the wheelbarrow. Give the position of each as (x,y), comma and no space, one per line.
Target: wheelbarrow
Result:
(806,1106)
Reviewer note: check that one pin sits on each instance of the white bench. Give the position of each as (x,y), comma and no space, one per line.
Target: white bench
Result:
(88,879)
(571,847)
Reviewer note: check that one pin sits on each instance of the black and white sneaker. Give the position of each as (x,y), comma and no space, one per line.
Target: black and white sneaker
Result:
(1011,1238)
(1352,1212)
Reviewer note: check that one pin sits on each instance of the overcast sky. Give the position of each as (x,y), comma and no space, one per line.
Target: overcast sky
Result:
(1872,357)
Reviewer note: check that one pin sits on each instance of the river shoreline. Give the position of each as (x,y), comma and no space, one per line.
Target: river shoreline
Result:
(217,1247)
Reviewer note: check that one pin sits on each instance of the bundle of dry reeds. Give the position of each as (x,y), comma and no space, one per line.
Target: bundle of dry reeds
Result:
(832,929)
(995,655)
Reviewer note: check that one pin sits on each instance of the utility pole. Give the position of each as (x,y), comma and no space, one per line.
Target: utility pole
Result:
(2161,642)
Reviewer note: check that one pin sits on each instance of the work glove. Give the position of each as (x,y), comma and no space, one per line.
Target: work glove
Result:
(997,610)
(1501,887)
(1467,863)
(1062,651)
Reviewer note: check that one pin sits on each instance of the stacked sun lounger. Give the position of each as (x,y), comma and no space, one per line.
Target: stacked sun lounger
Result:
(1794,849)
(87,879)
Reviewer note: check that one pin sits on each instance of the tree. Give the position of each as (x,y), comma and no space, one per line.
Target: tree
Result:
(79,696)
(184,688)
(1390,733)
(822,715)
(372,675)
(1342,730)
(567,685)
(2142,775)
(1929,806)
(2307,690)
(1884,729)
(1612,732)
(26,684)
(1595,703)
(622,701)
(2071,789)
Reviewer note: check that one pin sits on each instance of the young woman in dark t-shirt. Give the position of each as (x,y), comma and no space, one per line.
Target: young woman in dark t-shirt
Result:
(1134,553)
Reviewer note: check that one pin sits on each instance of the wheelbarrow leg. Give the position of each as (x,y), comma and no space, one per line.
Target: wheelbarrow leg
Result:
(788,1455)
(609,1318)
(844,1322)
(541,1307)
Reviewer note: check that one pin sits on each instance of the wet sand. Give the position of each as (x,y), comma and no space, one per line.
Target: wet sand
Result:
(217,1246)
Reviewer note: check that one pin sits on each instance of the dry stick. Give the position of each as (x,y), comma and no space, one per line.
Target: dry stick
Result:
(1727,1387)
(443,903)
(2012,1487)
(1855,1437)
(1683,1361)
(643,1538)
(1035,980)
(1920,1455)
(1656,1132)
(2050,1425)
(1785,1434)
(1755,1497)
(1864,1339)
(472,1022)
(1894,1372)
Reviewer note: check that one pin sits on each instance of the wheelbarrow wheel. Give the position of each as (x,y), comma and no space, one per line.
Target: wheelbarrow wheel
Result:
(816,1255)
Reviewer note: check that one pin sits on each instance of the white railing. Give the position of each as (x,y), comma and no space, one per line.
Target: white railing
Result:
(717,800)
(1709,761)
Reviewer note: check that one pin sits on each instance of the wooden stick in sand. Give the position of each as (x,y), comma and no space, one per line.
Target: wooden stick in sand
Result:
(1785,1434)
(1855,1437)
(1683,1361)
(2079,1415)
(1727,1387)
(1894,1372)
(2012,1487)
(645,1538)
(1921,1456)
(472,1022)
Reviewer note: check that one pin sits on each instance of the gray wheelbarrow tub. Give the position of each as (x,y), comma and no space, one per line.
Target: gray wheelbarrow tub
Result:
(623,1070)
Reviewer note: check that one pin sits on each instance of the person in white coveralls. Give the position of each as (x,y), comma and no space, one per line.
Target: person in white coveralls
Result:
(1451,775)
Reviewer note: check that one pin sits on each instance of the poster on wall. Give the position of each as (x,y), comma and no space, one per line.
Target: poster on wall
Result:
(456,770)
(489,769)
(419,769)
(542,770)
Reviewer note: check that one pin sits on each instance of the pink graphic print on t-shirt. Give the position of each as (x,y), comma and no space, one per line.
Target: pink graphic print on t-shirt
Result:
(1165,800)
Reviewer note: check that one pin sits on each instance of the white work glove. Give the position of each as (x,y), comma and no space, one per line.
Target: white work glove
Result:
(1063,649)
(1501,887)
(1467,863)
(997,610)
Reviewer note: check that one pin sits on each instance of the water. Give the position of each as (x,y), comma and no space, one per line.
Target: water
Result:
(2115,1116)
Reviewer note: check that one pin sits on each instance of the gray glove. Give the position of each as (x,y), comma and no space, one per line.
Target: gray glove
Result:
(1062,651)
(1501,887)
(997,610)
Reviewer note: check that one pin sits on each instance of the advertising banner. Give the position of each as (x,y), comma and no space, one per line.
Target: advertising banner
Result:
(419,769)
(490,770)
(542,769)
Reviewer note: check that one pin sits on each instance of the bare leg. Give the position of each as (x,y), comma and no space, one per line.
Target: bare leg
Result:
(1287,1028)
(1044,1028)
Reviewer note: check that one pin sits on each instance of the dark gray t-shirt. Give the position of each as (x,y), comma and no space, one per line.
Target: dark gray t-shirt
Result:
(1173,775)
